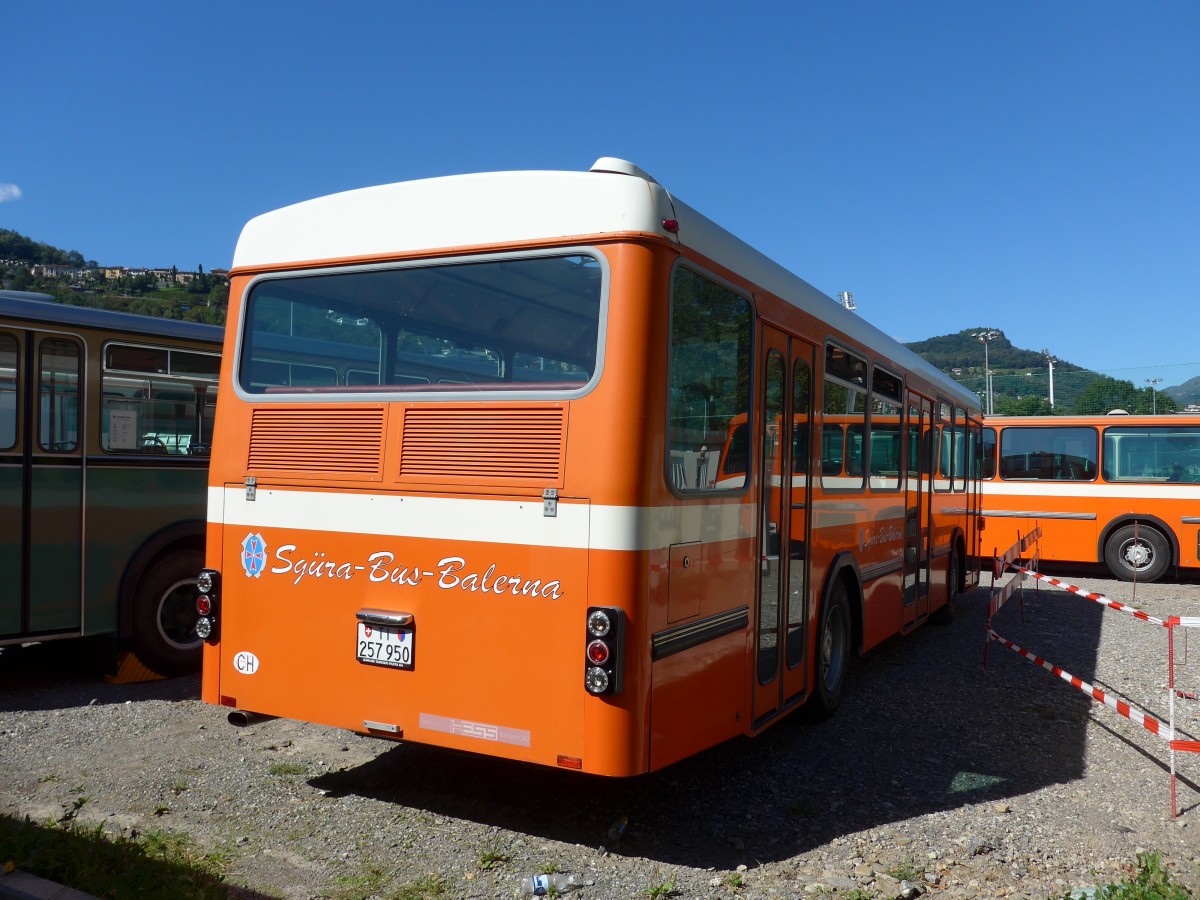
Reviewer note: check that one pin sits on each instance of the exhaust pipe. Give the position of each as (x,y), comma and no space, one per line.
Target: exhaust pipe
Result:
(241,718)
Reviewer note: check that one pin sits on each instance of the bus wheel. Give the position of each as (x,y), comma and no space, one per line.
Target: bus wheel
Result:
(1139,552)
(945,614)
(833,652)
(164,614)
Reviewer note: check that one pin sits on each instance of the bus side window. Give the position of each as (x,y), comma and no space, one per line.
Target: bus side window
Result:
(989,453)
(8,392)
(58,396)
(708,394)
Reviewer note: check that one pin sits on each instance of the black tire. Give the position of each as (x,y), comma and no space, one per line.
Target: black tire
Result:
(945,614)
(833,653)
(1137,553)
(164,614)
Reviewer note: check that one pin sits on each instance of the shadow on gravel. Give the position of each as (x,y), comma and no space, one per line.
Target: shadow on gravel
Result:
(70,673)
(923,728)
(156,866)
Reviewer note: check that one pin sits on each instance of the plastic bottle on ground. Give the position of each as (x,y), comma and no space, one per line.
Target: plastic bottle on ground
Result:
(540,885)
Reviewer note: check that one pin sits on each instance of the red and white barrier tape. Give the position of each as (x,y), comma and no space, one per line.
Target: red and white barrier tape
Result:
(1100,598)
(1148,722)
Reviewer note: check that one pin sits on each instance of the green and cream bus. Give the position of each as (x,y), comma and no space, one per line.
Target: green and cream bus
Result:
(105,425)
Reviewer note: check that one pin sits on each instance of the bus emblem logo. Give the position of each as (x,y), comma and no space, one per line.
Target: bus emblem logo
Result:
(254,555)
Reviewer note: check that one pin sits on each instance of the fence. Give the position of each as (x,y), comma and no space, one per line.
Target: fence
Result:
(1024,566)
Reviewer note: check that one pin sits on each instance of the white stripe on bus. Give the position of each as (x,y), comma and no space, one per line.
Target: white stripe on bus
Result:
(578,525)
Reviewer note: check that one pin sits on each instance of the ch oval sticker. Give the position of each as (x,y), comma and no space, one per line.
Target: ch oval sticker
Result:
(245,662)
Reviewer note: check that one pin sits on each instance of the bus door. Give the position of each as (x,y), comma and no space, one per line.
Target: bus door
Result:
(49,438)
(917,533)
(784,452)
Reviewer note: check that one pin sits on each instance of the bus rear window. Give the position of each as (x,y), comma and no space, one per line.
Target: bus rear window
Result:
(522,323)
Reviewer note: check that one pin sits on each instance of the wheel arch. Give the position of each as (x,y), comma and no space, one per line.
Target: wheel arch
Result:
(1139,519)
(844,567)
(179,536)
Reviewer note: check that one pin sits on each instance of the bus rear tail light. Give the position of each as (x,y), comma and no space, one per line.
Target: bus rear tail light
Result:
(604,657)
(208,584)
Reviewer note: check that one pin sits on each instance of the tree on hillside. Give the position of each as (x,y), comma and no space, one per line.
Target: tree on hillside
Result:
(1106,394)
(1022,406)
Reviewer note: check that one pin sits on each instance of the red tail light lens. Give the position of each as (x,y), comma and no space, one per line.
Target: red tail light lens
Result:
(597,653)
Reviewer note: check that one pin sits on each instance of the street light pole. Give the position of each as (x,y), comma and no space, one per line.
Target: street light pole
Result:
(1153,397)
(986,337)
(1050,363)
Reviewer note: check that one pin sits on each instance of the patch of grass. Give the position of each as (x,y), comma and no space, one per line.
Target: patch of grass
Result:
(907,871)
(361,884)
(281,768)
(427,888)
(155,866)
(1152,882)
(490,859)
(666,889)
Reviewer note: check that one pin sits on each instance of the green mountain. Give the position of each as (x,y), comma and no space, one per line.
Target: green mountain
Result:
(1021,383)
(964,350)
(1187,393)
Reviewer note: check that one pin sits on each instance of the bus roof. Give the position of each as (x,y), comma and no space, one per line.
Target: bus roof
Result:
(502,208)
(33,307)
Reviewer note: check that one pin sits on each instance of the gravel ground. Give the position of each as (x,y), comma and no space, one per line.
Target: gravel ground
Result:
(937,776)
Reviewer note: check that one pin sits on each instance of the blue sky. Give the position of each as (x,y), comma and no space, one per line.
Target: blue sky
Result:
(1028,165)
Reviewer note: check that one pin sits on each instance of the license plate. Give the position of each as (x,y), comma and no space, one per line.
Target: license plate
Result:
(381,645)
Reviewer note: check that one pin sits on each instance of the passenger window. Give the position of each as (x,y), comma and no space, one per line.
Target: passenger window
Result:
(150,415)
(708,445)
(988,454)
(845,408)
(1057,453)
(8,392)
(58,396)
(886,457)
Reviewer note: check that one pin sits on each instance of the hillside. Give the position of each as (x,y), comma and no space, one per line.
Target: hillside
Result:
(16,247)
(1021,383)
(964,350)
(1185,394)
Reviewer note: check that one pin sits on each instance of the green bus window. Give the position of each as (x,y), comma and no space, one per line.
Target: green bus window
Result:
(58,396)
(8,391)
(709,384)
(845,408)
(1168,453)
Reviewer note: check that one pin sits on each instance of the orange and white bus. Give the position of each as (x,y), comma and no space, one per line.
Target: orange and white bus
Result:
(484,415)
(1120,490)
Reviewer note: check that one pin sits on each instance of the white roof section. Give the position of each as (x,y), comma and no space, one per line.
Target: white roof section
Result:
(486,209)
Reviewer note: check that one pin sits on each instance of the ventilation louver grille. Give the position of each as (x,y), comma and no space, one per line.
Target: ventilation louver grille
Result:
(479,444)
(324,441)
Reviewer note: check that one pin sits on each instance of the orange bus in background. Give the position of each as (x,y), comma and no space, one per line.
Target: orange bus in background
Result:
(467,486)
(1120,490)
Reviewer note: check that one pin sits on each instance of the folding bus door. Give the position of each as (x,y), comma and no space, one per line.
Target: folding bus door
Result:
(784,450)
